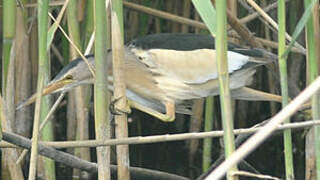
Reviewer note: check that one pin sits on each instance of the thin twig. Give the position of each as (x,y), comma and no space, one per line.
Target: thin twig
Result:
(274,45)
(249,174)
(43,123)
(58,54)
(169,137)
(90,44)
(75,162)
(243,31)
(254,15)
(91,68)
(272,22)
(164,15)
(52,3)
(162,138)
(4,144)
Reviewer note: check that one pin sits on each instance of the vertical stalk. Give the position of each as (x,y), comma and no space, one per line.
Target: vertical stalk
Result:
(101,93)
(89,24)
(1,115)
(271,84)
(34,50)
(117,7)
(316,27)
(195,125)
(71,106)
(74,97)
(310,145)
(43,68)
(207,143)
(73,25)
(79,94)
(225,98)
(9,169)
(186,13)
(46,166)
(65,49)
(284,88)
(22,72)
(9,30)
(312,58)
(144,19)
(232,4)
(120,88)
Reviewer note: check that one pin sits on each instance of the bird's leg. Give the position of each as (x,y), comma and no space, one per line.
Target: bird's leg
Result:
(168,117)
(170,110)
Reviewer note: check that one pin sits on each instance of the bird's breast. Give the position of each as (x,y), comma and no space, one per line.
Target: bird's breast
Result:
(140,80)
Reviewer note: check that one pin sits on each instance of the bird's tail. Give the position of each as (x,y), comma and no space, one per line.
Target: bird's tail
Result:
(268,56)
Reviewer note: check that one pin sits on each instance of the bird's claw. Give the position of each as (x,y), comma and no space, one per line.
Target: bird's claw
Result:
(116,110)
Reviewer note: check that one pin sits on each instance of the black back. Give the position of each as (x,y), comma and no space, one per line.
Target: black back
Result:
(186,42)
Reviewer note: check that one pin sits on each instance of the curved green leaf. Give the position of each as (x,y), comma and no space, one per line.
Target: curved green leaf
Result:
(207,14)
(302,22)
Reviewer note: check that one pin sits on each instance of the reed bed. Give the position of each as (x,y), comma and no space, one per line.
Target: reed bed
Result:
(81,140)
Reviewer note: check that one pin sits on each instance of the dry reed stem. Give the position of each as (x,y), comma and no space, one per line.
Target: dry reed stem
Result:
(120,93)
(266,131)
(90,44)
(167,137)
(254,15)
(272,22)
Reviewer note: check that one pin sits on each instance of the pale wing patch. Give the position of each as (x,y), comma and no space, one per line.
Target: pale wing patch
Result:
(236,61)
(197,66)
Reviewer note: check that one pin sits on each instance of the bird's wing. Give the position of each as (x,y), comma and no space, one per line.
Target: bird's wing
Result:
(191,67)
(190,41)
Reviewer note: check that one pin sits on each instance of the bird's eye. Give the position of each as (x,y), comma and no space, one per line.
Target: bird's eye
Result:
(68,77)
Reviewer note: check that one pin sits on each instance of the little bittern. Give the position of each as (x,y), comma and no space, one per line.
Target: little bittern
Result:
(163,72)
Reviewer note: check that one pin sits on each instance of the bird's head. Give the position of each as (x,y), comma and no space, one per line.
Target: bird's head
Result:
(74,74)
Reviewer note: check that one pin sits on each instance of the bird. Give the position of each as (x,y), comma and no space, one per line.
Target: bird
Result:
(164,72)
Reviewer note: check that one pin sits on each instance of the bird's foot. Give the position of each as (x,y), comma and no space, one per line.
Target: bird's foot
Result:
(118,109)
(168,117)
